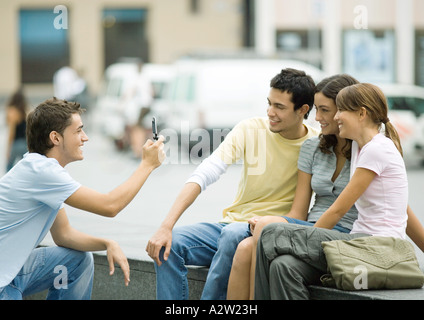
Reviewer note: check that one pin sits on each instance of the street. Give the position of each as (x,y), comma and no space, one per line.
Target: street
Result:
(103,168)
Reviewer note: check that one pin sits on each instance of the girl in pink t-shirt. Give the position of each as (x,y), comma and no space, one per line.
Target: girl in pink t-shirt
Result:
(382,206)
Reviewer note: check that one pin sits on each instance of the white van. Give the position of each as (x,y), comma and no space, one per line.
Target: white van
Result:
(406,112)
(217,94)
(208,97)
(118,80)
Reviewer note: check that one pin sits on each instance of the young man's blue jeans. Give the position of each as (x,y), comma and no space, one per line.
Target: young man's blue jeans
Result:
(66,274)
(204,244)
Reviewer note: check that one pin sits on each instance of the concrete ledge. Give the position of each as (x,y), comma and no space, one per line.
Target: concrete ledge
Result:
(143,285)
(142,282)
(322,293)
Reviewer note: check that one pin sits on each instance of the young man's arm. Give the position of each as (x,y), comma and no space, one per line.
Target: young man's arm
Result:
(302,197)
(65,235)
(163,237)
(110,204)
(207,173)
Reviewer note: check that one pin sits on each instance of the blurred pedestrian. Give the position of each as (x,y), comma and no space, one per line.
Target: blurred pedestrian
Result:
(69,85)
(16,110)
(137,104)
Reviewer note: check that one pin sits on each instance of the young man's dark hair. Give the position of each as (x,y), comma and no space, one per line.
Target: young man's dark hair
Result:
(299,84)
(51,115)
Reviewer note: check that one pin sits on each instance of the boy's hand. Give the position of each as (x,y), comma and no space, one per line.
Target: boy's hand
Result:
(153,154)
(116,255)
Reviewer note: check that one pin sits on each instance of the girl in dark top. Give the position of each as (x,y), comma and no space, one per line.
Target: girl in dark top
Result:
(16,120)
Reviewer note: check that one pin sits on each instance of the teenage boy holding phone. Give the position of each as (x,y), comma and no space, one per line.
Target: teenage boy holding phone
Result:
(31,204)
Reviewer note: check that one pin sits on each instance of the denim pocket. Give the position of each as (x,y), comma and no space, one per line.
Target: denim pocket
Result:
(35,260)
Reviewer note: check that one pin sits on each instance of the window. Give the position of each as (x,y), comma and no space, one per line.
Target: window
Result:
(184,88)
(125,34)
(305,45)
(407,103)
(369,55)
(44,48)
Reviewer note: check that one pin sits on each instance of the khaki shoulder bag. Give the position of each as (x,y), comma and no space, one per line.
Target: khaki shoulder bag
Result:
(372,262)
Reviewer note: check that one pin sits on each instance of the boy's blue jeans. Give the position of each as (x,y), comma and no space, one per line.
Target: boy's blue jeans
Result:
(66,274)
(211,245)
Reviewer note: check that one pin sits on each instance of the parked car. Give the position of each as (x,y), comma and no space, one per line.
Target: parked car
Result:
(406,112)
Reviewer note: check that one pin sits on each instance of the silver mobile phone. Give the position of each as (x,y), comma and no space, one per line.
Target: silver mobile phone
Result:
(155,129)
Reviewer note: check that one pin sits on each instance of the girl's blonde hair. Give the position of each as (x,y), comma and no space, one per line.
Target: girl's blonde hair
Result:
(370,97)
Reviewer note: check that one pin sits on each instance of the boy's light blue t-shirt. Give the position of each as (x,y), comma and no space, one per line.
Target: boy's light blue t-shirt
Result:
(31,194)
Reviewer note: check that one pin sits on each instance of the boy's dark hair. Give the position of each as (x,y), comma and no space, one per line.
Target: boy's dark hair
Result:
(299,84)
(51,115)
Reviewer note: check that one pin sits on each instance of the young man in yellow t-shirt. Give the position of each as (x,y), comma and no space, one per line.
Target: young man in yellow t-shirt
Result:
(269,148)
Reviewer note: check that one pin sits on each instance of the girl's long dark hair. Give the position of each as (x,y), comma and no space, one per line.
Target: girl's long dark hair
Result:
(330,88)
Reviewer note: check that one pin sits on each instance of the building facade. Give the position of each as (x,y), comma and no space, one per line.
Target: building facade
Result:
(380,40)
